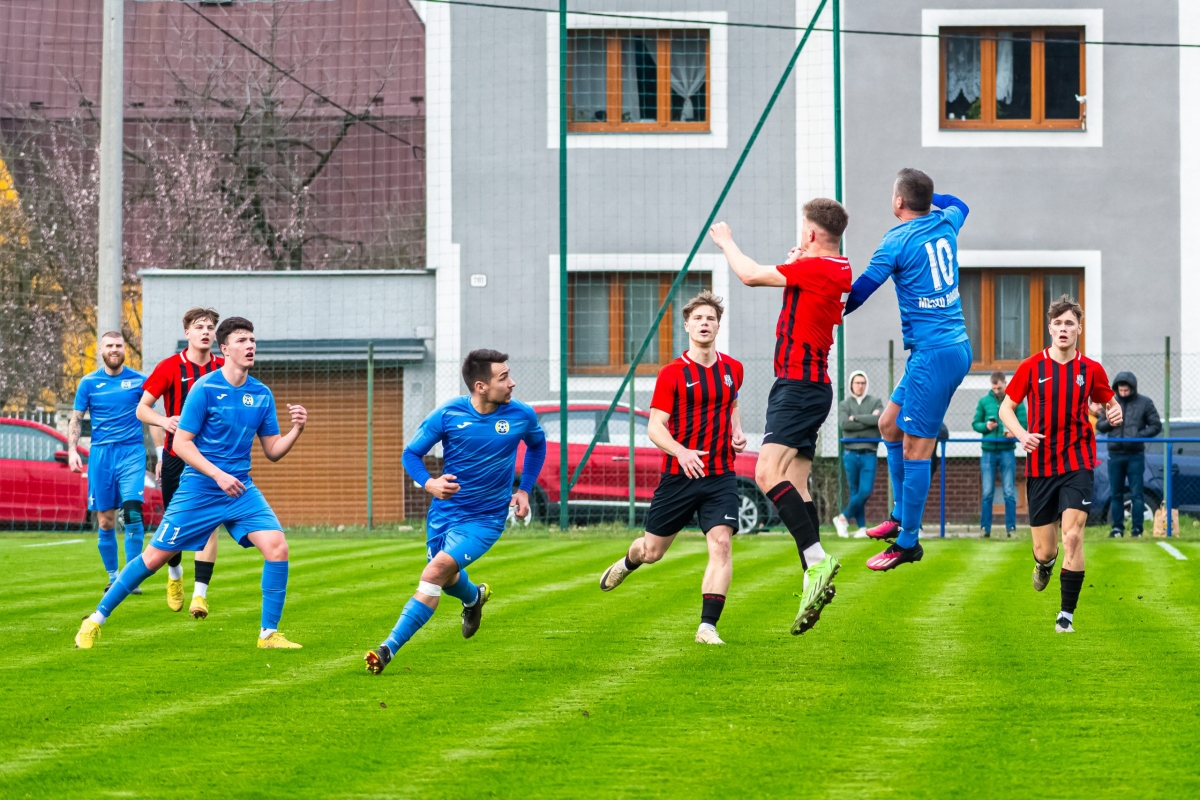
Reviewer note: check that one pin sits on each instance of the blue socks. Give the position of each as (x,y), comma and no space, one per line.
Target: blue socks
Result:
(131,577)
(107,543)
(895,459)
(916,489)
(135,536)
(463,589)
(412,619)
(274,590)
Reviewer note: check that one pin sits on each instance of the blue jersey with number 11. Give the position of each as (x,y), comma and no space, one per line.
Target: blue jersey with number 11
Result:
(921,258)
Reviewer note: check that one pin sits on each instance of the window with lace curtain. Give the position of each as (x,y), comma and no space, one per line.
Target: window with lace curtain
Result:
(637,81)
(1013,78)
(1005,311)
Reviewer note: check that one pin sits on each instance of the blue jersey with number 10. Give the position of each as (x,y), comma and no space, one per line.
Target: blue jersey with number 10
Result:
(921,258)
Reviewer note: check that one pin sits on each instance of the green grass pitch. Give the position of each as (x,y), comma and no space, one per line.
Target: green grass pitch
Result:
(941,679)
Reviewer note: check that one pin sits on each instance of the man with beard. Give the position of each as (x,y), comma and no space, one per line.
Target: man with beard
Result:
(116,472)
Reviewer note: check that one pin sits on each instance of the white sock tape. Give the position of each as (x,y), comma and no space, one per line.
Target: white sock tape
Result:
(431,589)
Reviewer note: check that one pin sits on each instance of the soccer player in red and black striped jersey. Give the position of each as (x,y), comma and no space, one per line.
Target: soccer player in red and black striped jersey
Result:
(694,420)
(1061,385)
(171,380)
(816,281)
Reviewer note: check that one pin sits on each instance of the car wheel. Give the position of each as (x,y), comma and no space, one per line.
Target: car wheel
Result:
(1150,504)
(752,508)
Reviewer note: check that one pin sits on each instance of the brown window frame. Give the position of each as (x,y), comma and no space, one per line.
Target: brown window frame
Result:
(987,81)
(617,365)
(985,361)
(664,124)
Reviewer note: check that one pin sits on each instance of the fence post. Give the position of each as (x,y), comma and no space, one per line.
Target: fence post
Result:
(943,491)
(891,387)
(632,458)
(564,470)
(837,195)
(370,435)
(1167,478)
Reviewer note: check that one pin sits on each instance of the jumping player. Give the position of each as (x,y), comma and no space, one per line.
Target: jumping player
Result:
(920,255)
(695,421)
(116,473)
(1059,382)
(815,280)
(171,380)
(224,411)
(479,434)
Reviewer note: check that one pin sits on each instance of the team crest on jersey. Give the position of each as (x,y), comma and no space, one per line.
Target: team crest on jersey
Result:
(502,426)
(729,381)
(126,384)
(1079,380)
(248,400)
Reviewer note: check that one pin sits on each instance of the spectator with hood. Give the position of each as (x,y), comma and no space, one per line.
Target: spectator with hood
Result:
(858,418)
(1128,459)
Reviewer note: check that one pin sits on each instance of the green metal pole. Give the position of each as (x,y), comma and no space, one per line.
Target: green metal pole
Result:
(712,216)
(564,469)
(891,387)
(837,195)
(632,456)
(370,435)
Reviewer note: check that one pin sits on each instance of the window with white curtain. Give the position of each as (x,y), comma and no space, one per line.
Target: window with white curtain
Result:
(638,80)
(1005,311)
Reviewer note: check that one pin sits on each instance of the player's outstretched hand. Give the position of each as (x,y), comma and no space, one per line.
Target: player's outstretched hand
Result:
(520,504)
(74,461)
(739,441)
(1030,441)
(442,488)
(691,463)
(721,234)
(230,485)
(299,415)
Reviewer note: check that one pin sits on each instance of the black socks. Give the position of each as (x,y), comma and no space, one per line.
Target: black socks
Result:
(794,513)
(629,565)
(710,612)
(204,571)
(175,560)
(1071,583)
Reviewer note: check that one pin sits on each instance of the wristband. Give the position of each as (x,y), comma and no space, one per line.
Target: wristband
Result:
(159,452)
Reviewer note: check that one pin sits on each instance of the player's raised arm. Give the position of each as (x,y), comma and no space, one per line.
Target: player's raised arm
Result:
(275,446)
(875,275)
(690,461)
(749,271)
(948,202)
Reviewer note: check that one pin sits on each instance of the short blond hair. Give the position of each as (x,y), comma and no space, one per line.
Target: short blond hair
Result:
(705,298)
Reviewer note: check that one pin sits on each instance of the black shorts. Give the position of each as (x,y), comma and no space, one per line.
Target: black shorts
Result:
(796,410)
(679,499)
(172,468)
(1050,496)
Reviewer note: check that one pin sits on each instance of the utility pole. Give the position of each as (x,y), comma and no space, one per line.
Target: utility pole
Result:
(112,135)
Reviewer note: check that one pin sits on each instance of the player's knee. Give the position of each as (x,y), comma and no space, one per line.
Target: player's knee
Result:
(765,475)
(1072,540)
(651,555)
(720,547)
(106,519)
(131,512)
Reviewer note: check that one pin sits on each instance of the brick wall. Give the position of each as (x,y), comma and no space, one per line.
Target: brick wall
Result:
(963,492)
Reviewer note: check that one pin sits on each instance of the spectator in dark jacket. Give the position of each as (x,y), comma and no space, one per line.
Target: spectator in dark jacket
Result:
(858,416)
(1128,459)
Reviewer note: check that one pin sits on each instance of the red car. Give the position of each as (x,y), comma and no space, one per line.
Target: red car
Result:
(603,487)
(37,488)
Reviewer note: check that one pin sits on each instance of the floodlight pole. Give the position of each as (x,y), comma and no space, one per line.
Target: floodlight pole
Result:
(564,469)
(112,118)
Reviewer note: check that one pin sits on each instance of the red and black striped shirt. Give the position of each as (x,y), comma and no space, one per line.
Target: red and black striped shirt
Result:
(813,302)
(1058,397)
(700,403)
(172,379)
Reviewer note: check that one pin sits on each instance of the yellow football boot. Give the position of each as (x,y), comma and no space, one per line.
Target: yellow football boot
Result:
(199,607)
(276,641)
(175,594)
(89,632)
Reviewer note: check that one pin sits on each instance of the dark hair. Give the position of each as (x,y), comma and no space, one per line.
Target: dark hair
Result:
(828,215)
(477,366)
(193,314)
(230,325)
(705,298)
(915,189)
(1061,306)
(998,375)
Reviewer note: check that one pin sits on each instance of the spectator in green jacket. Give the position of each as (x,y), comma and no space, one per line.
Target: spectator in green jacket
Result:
(997,455)
(858,417)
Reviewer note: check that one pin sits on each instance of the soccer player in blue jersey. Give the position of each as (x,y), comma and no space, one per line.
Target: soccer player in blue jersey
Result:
(116,470)
(920,255)
(223,413)
(479,434)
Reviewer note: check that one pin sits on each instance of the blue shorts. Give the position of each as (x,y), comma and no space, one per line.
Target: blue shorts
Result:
(465,541)
(115,473)
(930,380)
(194,515)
